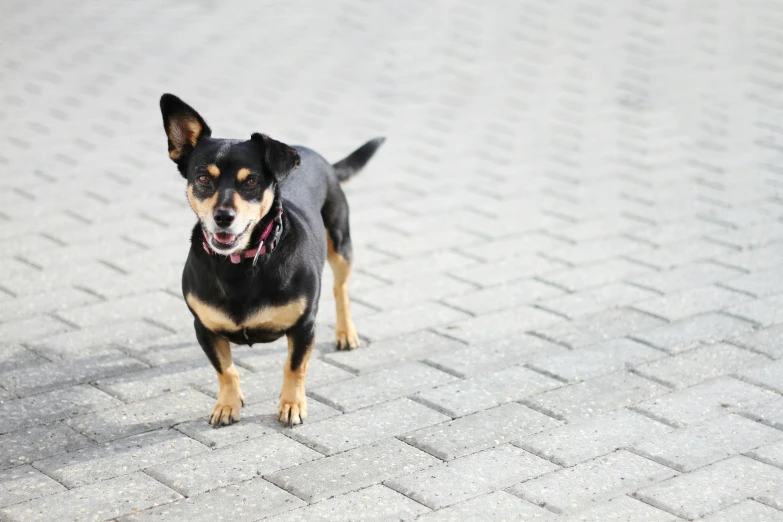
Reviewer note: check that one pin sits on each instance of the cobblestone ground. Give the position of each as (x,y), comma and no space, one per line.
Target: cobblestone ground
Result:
(568,261)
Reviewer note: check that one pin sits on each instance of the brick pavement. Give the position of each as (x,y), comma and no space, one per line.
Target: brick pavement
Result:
(569,261)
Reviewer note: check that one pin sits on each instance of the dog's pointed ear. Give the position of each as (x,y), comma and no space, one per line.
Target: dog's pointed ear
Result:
(279,158)
(184,127)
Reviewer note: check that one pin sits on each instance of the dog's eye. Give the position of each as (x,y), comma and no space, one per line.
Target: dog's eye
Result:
(203,179)
(251,182)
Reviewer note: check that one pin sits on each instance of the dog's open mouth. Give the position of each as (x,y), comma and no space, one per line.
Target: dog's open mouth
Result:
(225,240)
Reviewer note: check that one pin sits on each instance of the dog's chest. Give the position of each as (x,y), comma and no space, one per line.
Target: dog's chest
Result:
(272,319)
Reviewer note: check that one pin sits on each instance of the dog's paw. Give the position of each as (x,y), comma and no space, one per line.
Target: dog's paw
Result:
(347,339)
(226,410)
(292,413)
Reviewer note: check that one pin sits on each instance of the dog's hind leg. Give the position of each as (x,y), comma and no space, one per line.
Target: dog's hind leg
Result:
(339,254)
(230,400)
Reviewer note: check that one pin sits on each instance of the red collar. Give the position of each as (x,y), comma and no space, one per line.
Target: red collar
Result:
(264,245)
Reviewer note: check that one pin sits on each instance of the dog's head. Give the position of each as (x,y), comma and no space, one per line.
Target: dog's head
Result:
(231,183)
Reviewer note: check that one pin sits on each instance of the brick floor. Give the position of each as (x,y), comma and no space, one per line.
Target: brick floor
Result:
(568,278)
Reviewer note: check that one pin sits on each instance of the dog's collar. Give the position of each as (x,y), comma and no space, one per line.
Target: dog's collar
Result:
(266,243)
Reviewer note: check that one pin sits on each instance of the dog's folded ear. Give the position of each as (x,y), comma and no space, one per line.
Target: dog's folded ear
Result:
(184,127)
(279,158)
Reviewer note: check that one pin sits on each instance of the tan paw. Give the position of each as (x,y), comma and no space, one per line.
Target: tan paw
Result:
(292,412)
(347,339)
(226,410)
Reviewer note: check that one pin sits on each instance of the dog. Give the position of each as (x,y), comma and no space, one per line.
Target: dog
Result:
(268,216)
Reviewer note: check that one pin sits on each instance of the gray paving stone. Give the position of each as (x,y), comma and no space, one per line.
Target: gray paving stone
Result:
(152,382)
(497,325)
(596,360)
(160,306)
(373,503)
(595,274)
(513,295)
(53,406)
(759,284)
(580,441)
(479,431)
(690,333)
(696,446)
(694,301)
(766,312)
(679,253)
(407,320)
(594,300)
(36,304)
(756,259)
(753,236)
(27,330)
(699,364)
(487,508)
(595,249)
(769,413)
(596,396)
(623,509)
(24,483)
(703,401)
(421,265)
(765,374)
(353,470)
(746,510)
(265,385)
(496,355)
(102,501)
(470,476)
(574,489)
(684,277)
(365,426)
(604,326)
(258,419)
(245,501)
(120,457)
(46,376)
(96,339)
(435,287)
(379,386)
(485,391)
(159,412)
(768,341)
(771,454)
(389,352)
(16,356)
(38,442)
(712,488)
(232,464)
(502,271)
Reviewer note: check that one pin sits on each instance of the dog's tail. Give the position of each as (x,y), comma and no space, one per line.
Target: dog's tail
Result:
(351,165)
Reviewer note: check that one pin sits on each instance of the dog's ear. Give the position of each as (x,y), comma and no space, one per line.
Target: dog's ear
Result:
(184,127)
(279,158)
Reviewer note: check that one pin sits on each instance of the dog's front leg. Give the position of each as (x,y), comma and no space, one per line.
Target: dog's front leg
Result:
(293,402)
(230,400)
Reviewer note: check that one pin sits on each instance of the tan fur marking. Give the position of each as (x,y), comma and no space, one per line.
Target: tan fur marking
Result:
(230,398)
(213,170)
(277,318)
(345,331)
(242,174)
(272,318)
(252,212)
(202,207)
(293,401)
(182,131)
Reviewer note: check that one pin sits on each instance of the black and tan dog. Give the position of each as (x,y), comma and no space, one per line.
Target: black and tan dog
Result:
(257,253)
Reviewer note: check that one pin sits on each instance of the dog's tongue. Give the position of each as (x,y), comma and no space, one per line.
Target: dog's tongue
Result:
(224,237)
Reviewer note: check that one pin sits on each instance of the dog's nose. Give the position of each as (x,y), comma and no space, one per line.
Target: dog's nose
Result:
(224,217)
